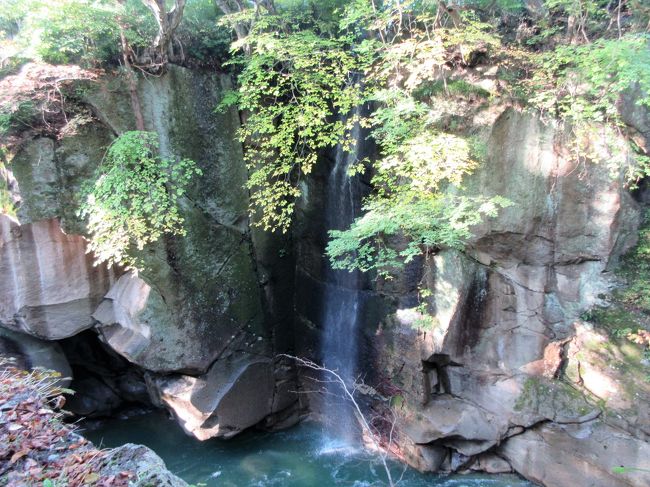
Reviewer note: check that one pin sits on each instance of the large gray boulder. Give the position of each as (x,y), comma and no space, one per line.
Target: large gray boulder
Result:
(198,303)
(50,285)
(137,322)
(232,396)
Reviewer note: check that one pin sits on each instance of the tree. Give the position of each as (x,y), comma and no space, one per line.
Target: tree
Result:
(163,46)
(292,84)
(236,9)
(231,7)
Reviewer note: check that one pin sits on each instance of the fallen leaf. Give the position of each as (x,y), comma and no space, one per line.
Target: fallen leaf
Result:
(91,478)
(18,455)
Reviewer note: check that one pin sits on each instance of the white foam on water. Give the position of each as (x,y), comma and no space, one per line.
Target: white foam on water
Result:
(337,447)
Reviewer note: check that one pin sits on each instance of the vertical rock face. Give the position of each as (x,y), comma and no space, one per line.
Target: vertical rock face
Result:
(197,295)
(195,313)
(49,286)
(483,366)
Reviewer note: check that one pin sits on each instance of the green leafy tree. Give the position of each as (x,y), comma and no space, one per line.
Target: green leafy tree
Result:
(582,85)
(291,85)
(135,199)
(300,76)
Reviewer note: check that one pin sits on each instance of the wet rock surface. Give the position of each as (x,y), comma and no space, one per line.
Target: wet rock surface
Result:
(226,400)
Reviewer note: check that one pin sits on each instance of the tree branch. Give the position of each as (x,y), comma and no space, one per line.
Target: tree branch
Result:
(349,395)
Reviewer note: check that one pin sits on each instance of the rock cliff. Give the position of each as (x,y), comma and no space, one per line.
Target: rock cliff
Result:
(493,361)
(196,313)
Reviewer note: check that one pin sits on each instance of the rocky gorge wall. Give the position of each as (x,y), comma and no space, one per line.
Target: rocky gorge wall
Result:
(493,365)
(491,369)
(483,355)
(196,324)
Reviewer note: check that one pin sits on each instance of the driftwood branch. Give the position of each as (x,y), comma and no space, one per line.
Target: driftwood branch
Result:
(348,393)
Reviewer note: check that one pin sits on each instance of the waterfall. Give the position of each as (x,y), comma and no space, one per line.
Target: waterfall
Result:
(341,303)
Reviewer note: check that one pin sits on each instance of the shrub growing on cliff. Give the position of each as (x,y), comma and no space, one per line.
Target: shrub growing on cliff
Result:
(135,199)
(583,84)
(297,76)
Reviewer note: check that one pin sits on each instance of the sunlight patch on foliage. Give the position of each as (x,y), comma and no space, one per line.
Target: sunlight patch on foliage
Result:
(582,84)
(291,85)
(135,199)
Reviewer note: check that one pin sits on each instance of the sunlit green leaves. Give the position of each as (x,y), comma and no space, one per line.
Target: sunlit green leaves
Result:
(582,84)
(292,84)
(395,230)
(299,78)
(135,199)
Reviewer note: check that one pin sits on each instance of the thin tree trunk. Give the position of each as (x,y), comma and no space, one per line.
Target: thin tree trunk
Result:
(229,7)
(133,83)
(167,24)
(130,74)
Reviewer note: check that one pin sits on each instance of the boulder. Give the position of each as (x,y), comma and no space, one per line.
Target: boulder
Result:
(491,463)
(50,286)
(425,458)
(29,353)
(449,417)
(579,454)
(148,467)
(136,321)
(197,304)
(229,398)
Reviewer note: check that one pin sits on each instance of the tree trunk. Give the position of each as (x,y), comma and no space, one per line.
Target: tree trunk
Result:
(130,75)
(133,83)
(167,24)
(229,7)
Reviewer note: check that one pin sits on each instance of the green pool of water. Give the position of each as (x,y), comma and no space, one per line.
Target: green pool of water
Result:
(292,458)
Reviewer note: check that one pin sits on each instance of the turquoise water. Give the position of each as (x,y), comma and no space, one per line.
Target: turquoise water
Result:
(292,458)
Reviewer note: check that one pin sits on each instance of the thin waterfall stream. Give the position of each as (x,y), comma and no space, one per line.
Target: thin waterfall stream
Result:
(341,301)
